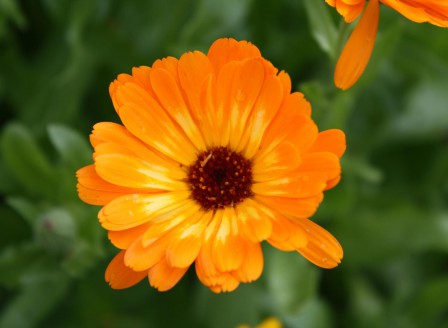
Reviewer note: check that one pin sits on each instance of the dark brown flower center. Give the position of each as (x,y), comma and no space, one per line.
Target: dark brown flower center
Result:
(219,178)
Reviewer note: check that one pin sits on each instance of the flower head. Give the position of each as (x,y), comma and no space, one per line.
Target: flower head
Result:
(215,155)
(356,53)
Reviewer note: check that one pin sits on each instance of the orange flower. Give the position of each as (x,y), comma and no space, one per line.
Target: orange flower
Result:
(356,54)
(215,155)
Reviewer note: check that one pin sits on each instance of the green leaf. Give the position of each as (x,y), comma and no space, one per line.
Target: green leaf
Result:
(26,161)
(322,26)
(72,147)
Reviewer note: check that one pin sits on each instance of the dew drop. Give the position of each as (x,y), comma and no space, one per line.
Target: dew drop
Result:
(323,245)
(131,213)
(325,259)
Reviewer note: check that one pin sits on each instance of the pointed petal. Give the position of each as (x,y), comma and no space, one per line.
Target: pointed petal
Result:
(120,276)
(186,241)
(254,224)
(144,117)
(170,97)
(94,190)
(228,247)
(133,210)
(322,249)
(163,277)
(225,50)
(263,112)
(124,238)
(296,207)
(330,140)
(280,162)
(252,266)
(358,49)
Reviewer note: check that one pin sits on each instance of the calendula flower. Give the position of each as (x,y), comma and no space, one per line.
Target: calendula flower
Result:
(358,49)
(215,155)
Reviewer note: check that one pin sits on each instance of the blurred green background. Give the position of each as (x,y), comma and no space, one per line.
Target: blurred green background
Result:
(390,212)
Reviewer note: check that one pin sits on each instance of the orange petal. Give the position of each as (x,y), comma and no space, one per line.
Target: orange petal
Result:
(228,247)
(124,238)
(325,162)
(195,75)
(167,91)
(133,210)
(147,120)
(356,53)
(93,190)
(163,277)
(286,235)
(278,162)
(120,276)
(225,50)
(132,172)
(299,129)
(237,88)
(303,185)
(254,224)
(295,207)
(252,266)
(322,249)
(186,241)
(330,140)
(140,258)
(264,110)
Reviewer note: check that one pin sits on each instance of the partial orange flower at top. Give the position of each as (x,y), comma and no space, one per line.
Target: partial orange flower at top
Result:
(215,155)
(356,53)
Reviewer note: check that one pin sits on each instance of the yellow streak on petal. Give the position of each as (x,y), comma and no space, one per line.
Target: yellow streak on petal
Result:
(356,54)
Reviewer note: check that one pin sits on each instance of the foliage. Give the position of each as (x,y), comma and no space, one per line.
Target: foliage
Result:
(389,212)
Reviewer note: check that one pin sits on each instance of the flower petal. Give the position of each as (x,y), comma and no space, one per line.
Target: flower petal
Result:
(295,207)
(332,141)
(120,276)
(237,88)
(358,49)
(277,163)
(132,172)
(170,97)
(124,238)
(147,120)
(186,241)
(132,210)
(254,224)
(226,50)
(252,266)
(264,110)
(93,190)
(228,247)
(303,185)
(322,249)
(163,277)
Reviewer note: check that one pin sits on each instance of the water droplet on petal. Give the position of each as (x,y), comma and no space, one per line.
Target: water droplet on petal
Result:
(323,245)
(324,259)
(131,213)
